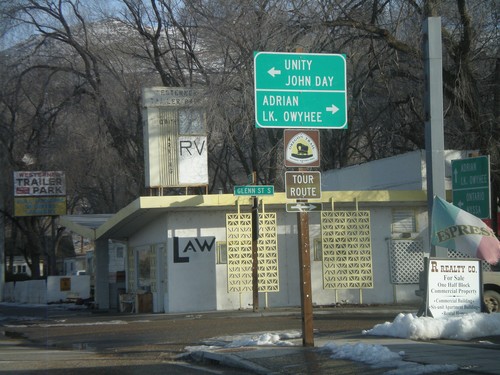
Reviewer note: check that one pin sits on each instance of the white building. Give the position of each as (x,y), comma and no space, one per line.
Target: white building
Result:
(402,172)
(193,253)
(178,246)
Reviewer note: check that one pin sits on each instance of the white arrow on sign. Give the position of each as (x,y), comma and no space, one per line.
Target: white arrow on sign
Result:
(332,109)
(304,207)
(273,71)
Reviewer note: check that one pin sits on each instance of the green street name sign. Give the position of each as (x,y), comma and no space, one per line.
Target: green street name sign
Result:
(301,90)
(471,185)
(254,190)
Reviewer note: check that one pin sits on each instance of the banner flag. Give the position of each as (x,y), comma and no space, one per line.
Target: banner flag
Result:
(456,229)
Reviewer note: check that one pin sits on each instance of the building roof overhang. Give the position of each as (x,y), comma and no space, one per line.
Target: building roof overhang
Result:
(144,210)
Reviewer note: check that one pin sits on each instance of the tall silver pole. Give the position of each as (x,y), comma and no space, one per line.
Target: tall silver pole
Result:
(434,129)
(2,241)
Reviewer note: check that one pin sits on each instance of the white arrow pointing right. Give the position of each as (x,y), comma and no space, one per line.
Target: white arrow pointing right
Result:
(332,109)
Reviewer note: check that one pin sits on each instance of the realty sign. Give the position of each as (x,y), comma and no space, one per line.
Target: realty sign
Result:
(454,287)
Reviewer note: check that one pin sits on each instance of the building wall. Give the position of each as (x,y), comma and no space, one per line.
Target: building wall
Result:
(197,283)
(401,172)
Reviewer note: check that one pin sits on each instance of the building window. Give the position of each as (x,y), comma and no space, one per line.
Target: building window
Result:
(221,253)
(143,259)
(404,222)
(318,249)
(119,252)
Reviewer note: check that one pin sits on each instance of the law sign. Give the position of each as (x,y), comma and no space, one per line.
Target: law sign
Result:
(471,185)
(300,90)
(253,190)
(303,185)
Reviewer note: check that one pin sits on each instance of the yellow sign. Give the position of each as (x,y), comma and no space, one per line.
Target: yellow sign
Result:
(65,284)
(39,206)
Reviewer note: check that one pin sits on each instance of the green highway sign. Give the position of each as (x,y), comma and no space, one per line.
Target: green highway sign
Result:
(471,185)
(254,190)
(300,90)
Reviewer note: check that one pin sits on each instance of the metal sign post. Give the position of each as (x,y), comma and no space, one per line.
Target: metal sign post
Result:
(434,123)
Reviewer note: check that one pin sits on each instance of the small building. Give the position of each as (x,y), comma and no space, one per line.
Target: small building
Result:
(193,253)
(401,172)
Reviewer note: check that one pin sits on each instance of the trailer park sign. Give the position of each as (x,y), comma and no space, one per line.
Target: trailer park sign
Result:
(39,193)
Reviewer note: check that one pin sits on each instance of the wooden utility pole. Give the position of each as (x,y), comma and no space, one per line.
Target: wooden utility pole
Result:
(255,258)
(255,239)
(305,279)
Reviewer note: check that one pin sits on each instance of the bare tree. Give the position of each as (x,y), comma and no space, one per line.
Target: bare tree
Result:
(210,44)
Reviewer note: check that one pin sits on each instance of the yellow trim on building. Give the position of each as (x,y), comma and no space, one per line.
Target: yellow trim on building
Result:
(144,206)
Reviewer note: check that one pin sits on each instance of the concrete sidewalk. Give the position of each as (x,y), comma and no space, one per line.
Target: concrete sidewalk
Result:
(440,356)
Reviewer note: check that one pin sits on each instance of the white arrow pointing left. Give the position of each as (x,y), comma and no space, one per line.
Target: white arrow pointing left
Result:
(274,72)
(332,109)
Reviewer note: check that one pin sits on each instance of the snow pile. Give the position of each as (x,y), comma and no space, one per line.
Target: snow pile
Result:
(379,356)
(263,339)
(463,327)
(407,326)
(251,339)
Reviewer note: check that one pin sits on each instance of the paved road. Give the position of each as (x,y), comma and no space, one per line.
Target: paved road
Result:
(52,340)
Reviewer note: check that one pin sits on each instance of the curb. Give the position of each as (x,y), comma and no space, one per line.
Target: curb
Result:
(229,359)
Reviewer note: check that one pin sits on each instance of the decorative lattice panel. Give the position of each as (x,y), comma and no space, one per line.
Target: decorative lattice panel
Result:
(407,261)
(347,253)
(239,252)
(267,253)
